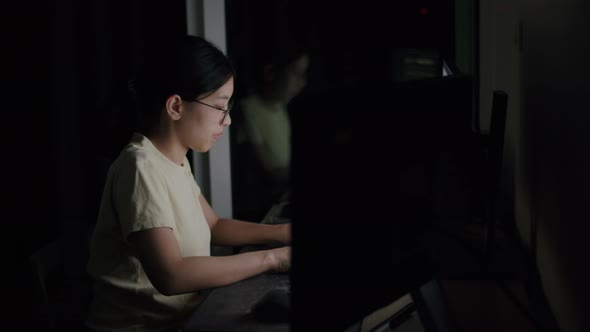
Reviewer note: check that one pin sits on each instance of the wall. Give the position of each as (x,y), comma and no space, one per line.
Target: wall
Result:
(499,63)
(555,72)
(537,52)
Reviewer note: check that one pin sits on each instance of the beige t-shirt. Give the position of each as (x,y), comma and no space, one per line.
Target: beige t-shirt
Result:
(144,189)
(270,128)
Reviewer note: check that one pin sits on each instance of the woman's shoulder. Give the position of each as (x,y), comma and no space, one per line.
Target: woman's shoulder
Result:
(133,153)
(252,103)
(133,158)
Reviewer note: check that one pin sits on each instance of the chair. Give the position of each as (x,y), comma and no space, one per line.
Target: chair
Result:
(46,264)
(494,150)
(486,177)
(61,300)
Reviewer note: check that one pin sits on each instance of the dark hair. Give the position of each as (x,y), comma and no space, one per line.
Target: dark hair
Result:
(278,53)
(188,66)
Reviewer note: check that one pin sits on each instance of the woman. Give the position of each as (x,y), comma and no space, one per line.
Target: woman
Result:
(149,252)
(265,128)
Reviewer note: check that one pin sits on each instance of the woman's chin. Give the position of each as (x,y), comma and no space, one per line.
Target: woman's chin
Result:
(201,148)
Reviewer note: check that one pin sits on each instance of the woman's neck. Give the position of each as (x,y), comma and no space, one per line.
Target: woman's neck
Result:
(168,145)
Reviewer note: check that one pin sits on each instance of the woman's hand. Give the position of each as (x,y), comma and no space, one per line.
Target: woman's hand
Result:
(280,259)
(284,234)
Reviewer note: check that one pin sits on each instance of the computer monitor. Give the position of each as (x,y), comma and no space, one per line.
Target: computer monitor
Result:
(363,171)
(409,64)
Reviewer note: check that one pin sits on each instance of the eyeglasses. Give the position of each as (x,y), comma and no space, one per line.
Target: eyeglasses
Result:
(225,111)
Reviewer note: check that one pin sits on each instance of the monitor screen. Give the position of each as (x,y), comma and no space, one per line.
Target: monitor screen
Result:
(409,64)
(363,167)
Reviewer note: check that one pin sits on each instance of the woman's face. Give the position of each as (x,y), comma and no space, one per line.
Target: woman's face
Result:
(293,79)
(203,122)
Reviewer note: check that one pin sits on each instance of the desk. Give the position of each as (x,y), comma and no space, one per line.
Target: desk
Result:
(427,311)
(228,308)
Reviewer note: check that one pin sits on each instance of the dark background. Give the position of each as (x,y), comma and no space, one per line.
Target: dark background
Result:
(64,63)
(66,67)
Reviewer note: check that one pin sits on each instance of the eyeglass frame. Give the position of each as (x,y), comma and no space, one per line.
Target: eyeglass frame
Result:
(225,111)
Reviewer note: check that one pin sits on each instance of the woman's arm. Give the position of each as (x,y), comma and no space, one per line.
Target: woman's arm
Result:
(160,256)
(232,232)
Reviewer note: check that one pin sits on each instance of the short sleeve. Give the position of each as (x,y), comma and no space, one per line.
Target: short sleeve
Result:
(141,199)
(251,123)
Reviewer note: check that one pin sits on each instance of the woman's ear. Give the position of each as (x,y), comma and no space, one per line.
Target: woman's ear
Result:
(174,107)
